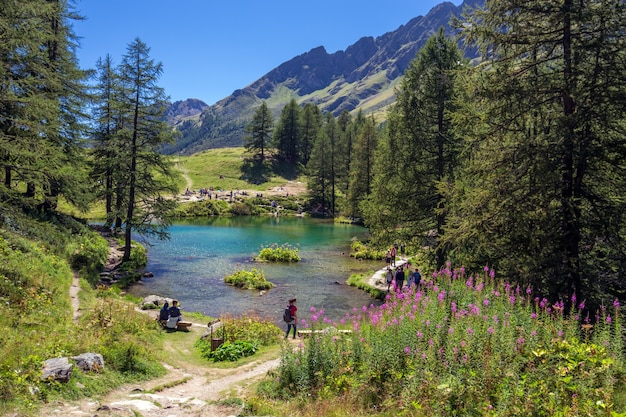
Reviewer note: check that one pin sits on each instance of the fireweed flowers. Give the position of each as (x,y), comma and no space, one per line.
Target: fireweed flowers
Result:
(459,339)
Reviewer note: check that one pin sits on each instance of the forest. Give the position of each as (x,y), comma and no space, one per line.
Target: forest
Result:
(513,163)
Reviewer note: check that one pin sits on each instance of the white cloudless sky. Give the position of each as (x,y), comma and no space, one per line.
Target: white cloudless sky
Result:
(210,48)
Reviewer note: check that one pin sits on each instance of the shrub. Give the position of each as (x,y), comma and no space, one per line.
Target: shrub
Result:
(253,280)
(360,250)
(282,253)
(252,330)
(231,351)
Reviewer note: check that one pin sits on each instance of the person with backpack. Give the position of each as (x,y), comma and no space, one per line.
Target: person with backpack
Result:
(393,252)
(290,317)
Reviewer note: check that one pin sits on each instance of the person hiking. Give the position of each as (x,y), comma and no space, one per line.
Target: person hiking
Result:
(399,278)
(290,317)
(417,278)
(393,252)
(388,277)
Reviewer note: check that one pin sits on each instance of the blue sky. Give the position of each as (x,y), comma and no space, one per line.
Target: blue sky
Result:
(209,48)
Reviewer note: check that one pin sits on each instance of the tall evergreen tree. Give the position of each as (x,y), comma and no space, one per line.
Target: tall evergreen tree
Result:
(542,199)
(321,171)
(41,97)
(361,168)
(287,134)
(420,149)
(259,131)
(149,174)
(310,125)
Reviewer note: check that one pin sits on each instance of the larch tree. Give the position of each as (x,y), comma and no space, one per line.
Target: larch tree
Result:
(259,131)
(541,197)
(320,169)
(42,94)
(310,124)
(362,166)
(145,131)
(287,134)
(419,150)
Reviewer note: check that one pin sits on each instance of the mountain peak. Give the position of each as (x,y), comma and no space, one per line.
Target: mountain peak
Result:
(362,76)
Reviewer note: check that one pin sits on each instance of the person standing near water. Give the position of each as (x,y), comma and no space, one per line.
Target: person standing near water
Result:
(292,316)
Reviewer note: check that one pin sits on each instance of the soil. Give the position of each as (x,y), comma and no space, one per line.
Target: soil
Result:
(197,390)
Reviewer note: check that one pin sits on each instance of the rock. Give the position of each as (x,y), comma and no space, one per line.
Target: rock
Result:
(148,275)
(89,362)
(151,301)
(57,369)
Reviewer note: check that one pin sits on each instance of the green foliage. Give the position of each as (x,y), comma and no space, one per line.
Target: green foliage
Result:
(276,253)
(90,255)
(232,351)
(252,280)
(361,281)
(462,344)
(242,337)
(201,209)
(361,250)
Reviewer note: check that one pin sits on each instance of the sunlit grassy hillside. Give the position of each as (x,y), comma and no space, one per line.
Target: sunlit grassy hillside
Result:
(224,169)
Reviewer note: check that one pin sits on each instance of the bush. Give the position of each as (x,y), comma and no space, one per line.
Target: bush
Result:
(282,253)
(360,250)
(231,351)
(252,280)
(252,330)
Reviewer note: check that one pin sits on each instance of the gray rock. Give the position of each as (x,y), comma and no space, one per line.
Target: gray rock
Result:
(89,362)
(57,369)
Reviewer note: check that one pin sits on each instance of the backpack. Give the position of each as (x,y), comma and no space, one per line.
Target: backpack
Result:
(287,315)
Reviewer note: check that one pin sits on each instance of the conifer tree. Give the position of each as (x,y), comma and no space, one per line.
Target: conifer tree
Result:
(41,97)
(259,131)
(145,131)
(542,196)
(419,150)
(321,170)
(361,168)
(310,125)
(286,136)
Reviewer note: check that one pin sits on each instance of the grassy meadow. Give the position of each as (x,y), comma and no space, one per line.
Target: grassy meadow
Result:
(223,169)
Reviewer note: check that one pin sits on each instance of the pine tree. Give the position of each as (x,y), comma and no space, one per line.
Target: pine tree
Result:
(287,134)
(310,125)
(149,174)
(361,168)
(420,149)
(321,171)
(542,199)
(259,131)
(41,98)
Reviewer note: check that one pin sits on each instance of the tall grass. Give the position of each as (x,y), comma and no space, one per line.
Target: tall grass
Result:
(463,345)
(35,277)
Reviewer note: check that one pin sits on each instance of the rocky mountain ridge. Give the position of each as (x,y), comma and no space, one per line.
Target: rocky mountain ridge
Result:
(361,77)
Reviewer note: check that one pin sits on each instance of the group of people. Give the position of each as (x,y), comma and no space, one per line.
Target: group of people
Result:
(396,275)
(399,275)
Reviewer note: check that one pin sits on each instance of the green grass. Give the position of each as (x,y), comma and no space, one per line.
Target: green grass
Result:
(221,169)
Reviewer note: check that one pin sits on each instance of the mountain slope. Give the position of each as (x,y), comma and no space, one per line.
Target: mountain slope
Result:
(361,77)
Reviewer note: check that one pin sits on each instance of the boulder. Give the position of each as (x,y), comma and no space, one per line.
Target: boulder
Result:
(57,369)
(89,362)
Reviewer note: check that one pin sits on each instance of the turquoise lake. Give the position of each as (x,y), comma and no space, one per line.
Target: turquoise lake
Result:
(191,266)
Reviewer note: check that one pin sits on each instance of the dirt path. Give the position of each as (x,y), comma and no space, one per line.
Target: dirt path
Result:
(196,388)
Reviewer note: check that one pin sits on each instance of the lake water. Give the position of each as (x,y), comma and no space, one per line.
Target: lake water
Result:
(191,266)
